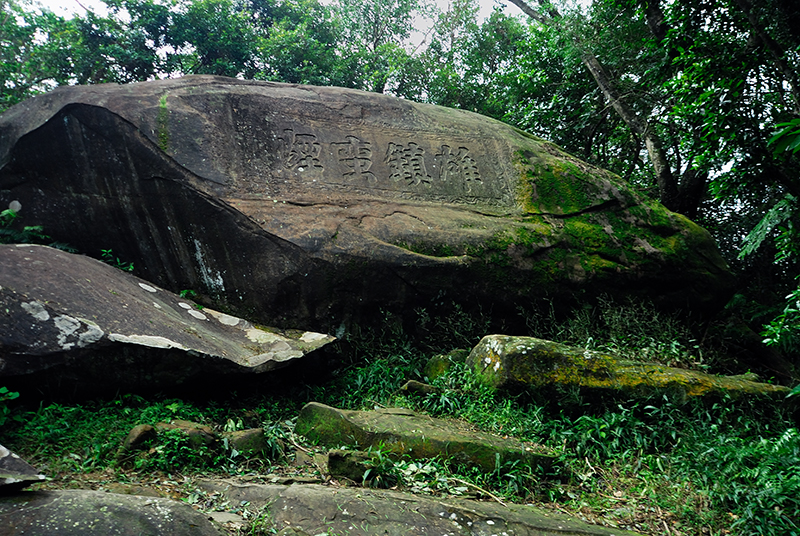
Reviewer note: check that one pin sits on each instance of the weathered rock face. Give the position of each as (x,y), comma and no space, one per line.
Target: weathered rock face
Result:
(404,433)
(357,511)
(504,361)
(77,318)
(16,473)
(97,513)
(325,205)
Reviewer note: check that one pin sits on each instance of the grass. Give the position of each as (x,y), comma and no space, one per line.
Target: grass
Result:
(702,468)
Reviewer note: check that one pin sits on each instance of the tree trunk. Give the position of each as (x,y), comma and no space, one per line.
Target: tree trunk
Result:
(671,195)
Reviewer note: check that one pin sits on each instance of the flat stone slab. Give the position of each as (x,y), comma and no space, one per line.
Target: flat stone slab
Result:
(506,361)
(319,509)
(402,432)
(81,314)
(97,513)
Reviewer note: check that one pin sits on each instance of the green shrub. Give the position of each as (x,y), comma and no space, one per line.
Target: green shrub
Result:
(5,397)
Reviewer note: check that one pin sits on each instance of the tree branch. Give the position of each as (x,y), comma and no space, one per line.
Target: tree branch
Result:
(775,51)
(531,12)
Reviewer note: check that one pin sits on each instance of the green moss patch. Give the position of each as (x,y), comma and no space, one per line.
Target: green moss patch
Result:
(504,361)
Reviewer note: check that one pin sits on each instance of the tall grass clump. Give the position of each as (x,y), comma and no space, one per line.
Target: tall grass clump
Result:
(724,465)
(633,329)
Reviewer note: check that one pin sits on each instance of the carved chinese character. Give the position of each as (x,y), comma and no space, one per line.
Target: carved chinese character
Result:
(300,151)
(408,164)
(458,166)
(356,156)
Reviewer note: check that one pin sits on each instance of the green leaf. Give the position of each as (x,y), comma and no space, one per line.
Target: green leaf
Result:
(779,213)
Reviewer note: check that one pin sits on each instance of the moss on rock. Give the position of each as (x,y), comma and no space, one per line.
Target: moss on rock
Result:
(503,361)
(402,432)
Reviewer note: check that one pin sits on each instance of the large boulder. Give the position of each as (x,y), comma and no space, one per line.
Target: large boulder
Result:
(70,319)
(325,206)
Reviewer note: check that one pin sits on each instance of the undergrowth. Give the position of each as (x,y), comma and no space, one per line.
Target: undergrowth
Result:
(704,467)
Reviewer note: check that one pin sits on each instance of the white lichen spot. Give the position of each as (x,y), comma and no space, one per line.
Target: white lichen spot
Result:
(184,305)
(487,360)
(15,206)
(67,326)
(157,306)
(224,319)
(489,522)
(497,366)
(148,288)
(92,334)
(310,336)
(197,314)
(211,279)
(151,341)
(286,355)
(36,310)
(261,336)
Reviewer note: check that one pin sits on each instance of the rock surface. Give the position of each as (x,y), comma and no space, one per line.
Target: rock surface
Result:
(400,431)
(16,473)
(87,320)
(504,361)
(96,513)
(318,509)
(320,207)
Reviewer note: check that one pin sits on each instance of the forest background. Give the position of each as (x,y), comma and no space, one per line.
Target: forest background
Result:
(693,102)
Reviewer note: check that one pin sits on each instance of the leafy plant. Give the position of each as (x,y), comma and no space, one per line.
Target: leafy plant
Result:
(787,138)
(175,452)
(110,259)
(29,234)
(5,411)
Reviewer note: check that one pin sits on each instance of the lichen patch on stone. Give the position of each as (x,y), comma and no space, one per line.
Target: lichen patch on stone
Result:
(36,310)
(148,288)
(146,340)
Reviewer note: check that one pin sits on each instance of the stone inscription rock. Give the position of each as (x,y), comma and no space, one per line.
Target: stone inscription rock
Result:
(322,207)
(82,317)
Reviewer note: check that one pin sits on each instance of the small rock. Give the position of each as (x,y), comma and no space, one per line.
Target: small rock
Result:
(251,442)
(413,386)
(199,435)
(438,365)
(349,464)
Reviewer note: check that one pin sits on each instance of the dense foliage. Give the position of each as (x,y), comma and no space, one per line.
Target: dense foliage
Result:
(706,467)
